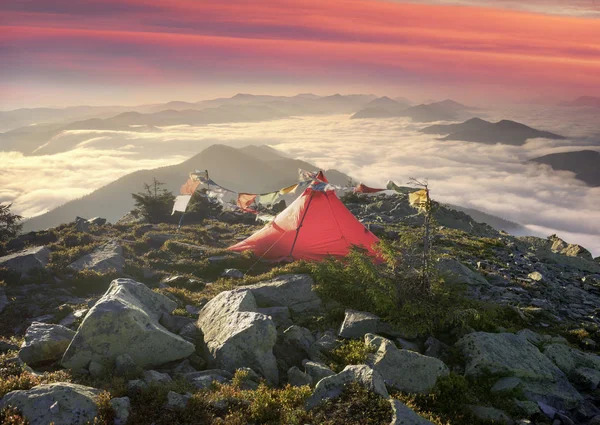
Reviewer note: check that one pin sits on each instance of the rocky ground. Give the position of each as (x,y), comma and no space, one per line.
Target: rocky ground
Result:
(135,323)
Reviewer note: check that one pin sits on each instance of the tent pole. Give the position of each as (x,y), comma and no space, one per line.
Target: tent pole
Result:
(301,221)
(180,221)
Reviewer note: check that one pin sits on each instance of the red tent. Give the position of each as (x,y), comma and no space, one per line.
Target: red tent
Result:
(362,188)
(312,227)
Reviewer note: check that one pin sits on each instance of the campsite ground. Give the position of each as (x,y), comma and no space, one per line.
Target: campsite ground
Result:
(188,267)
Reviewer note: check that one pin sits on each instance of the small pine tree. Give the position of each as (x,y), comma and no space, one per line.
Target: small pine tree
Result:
(10,224)
(155,203)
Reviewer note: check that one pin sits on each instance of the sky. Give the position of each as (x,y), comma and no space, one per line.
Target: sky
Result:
(64,52)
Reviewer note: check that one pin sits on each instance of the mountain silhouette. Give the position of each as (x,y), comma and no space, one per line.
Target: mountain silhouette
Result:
(447,110)
(585,164)
(583,101)
(482,131)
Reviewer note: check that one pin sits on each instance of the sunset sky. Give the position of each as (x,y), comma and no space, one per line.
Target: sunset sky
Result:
(65,52)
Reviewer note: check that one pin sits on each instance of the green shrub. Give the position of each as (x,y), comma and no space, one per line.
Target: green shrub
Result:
(350,352)
(11,416)
(155,203)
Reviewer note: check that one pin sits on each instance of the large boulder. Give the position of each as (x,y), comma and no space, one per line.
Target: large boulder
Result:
(25,262)
(580,367)
(332,386)
(236,336)
(126,321)
(404,415)
(45,343)
(513,355)
(461,272)
(102,259)
(59,404)
(294,291)
(358,323)
(406,370)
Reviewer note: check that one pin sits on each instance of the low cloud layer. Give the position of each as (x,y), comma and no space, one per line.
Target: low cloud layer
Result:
(496,179)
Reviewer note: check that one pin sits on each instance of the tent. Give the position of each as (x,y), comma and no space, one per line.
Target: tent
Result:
(315,225)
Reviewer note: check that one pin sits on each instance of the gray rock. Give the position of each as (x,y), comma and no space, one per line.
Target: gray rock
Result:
(586,377)
(327,342)
(3,300)
(292,290)
(332,386)
(45,343)
(122,408)
(279,315)
(136,385)
(102,259)
(174,323)
(461,272)
(358,323)
(515,356)
(406,370)
(96,369)
(98,221)
(61,403)
(25,262)
(404,415)
(491,414)
(435,348)
(568,359)
(82,225)
(125,321)
(408,345)
(232,273)
(155,377)
(508,383)
(177,401)
(203,380)
(125,366)
(183,368)
(317,371)
(236,336)
(297,378)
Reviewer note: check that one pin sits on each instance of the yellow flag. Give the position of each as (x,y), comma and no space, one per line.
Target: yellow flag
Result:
(418,199)
(288,189)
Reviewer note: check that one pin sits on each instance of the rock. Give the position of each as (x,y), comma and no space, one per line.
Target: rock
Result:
(136,385)
(300,338)
(82,225)
(102,259)
(318,351)
(279,315)
(406,370)
(508,383)
(154,377)
(204,379)
(232,273)
(291,290)
(125,321)
(586,377)
(3,300)
(122,408)
(358,323)
(61,403)
(404,415)
(512,355)
(491,414)
(98,221)
(26,262)
(297,378)
(175,323)
(461,272)
(568,359)
(595,420)
(292,347)
(96,369)
(535,276)
(435,348)
(125,366)
(332,386)
(408,345)
(176,401)
(505,353)
(317,371)
(236,336)
(45,343)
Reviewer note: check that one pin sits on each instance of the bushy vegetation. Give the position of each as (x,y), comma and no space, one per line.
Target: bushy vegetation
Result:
(154,203)
(350,352)
(10,223)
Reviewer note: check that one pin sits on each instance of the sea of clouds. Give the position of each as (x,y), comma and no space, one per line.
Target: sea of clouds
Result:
(493,178)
